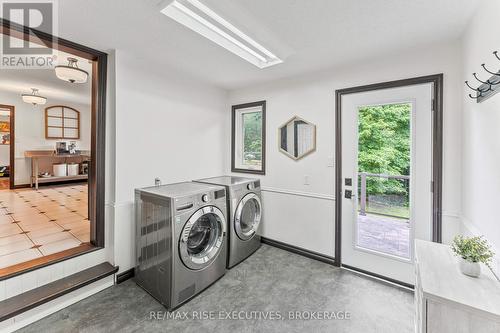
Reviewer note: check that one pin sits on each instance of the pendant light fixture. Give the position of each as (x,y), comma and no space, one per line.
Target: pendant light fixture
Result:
(34,98)
(71,72)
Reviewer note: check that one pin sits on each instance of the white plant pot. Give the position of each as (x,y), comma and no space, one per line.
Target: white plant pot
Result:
(470,268)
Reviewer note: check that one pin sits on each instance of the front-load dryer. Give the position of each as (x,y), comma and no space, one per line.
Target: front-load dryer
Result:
(181,240)
(244,215)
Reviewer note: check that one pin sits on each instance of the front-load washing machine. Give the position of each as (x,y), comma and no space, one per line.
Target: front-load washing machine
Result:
(180,239)
(244,215)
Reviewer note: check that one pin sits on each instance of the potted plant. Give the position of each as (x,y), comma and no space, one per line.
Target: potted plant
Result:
(472,251)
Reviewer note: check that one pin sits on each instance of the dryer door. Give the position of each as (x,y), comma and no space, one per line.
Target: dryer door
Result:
(247,216)
(202,236)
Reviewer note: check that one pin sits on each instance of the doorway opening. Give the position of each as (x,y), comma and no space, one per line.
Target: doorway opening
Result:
(53,208)
(388,177)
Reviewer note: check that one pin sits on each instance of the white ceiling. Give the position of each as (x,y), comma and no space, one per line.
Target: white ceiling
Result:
(310,35)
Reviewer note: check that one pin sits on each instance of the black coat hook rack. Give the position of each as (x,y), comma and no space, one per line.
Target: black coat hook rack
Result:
(487,88)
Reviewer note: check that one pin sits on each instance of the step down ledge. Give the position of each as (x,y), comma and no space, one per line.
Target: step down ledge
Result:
(26,301)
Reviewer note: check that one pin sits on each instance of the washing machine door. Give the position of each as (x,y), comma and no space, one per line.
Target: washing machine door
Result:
(202,237)
(247,216)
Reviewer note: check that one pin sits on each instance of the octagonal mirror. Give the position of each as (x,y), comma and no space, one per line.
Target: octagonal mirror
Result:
(297,138)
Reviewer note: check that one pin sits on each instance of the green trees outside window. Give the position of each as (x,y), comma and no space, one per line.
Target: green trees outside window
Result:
(252,138)
(385,148)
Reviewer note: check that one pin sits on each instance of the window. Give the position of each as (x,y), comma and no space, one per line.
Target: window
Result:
(249,138)
(384,178)
(62,122)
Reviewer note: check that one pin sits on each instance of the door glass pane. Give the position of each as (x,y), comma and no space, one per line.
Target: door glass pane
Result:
(203,235)
(384,160)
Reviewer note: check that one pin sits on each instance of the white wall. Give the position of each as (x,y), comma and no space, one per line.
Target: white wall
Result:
(481,134)
(303,215)
(167,126)
(30,130)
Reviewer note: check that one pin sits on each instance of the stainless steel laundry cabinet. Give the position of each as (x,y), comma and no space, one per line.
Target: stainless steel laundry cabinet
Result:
(180,240)
(154,239)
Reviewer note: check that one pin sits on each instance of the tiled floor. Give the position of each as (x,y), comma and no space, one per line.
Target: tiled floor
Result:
(34,223)
(384,234)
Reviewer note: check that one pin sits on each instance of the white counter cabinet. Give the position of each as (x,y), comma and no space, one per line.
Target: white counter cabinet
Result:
(447,300)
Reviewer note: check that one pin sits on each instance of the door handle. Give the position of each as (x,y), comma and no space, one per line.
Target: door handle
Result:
(349,195)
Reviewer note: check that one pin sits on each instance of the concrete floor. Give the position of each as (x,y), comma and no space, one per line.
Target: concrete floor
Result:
(384,234)
(271,281)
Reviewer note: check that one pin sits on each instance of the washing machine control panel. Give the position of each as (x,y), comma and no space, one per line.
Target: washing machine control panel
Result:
(205,198)
(253,185)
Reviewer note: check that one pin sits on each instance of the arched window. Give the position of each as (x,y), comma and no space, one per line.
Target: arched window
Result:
(62,122)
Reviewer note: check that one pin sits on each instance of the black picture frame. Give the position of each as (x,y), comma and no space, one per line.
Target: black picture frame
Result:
(234,109)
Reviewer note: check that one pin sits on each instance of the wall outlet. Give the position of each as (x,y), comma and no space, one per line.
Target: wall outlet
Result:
(306,180)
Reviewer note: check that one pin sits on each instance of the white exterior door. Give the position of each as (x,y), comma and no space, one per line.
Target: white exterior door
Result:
(387,166)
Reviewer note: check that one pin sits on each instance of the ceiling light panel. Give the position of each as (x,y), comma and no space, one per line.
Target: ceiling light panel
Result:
(201,19)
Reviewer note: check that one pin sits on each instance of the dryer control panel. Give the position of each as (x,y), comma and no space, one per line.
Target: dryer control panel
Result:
(253,185)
